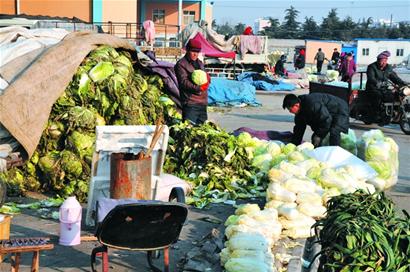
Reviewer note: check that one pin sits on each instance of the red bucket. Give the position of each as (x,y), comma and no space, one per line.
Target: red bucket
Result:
(130,176)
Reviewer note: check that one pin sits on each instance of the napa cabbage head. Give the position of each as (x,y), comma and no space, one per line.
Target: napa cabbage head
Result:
(245,265)
(262,162)
(377,151)
(273,149)
(296,156)
(82,143)
(383,169)
(305,146)
(199,77)
(70,163)
(288,148)
(245,139)
(278,159)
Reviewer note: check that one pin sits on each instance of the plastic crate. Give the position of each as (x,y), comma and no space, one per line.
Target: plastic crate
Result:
(130,139)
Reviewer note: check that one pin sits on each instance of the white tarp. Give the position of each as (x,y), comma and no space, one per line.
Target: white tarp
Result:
(16,41)
(336,156)
(217,40)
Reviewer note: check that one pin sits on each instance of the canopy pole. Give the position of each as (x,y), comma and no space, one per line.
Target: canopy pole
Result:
(179,16)
(17,7)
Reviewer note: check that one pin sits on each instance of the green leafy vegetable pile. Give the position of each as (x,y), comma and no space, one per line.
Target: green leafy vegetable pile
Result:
(105,90)
(216,162)
(362,232)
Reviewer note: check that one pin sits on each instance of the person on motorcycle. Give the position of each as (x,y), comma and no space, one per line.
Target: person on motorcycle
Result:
(324,113)
(378,74)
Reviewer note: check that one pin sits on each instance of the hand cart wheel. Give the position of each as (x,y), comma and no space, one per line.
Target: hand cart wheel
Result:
(177,195)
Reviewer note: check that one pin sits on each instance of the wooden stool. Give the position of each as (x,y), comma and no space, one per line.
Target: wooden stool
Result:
(5,231)
(18,245)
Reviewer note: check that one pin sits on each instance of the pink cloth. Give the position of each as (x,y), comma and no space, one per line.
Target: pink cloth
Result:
(209,50)
(149,31)
(294,75)
(252,44)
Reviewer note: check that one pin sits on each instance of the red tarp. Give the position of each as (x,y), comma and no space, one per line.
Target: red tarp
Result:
(209,51)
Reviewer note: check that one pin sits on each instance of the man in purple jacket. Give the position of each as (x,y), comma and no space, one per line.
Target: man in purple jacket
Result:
(194,98)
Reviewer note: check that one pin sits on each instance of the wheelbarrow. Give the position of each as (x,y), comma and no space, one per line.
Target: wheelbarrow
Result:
(141,226)
(130,139)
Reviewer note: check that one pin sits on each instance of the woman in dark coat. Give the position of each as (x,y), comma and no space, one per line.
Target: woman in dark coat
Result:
(347,68)
(279,66)
(300,60)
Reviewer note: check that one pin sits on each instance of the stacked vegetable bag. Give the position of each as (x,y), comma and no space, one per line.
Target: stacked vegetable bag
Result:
(361,232)
(105,90)
(382,154)
(300,185)
(251,234)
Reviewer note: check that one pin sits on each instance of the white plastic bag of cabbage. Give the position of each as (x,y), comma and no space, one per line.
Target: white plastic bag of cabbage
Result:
(382,154)
(347,141)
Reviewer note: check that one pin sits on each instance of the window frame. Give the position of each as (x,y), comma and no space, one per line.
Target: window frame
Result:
(399,52)
(157,13)
(190,14)
(365,51)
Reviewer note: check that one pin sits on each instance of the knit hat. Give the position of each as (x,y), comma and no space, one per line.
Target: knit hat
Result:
(194,45)
(248,31)
(383,55)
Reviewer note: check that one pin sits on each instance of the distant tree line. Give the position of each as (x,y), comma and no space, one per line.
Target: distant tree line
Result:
(331,28)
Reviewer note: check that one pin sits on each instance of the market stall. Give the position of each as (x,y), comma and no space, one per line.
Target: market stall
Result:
(56,115)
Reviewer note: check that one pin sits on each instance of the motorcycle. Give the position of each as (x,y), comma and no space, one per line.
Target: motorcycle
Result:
(395,112)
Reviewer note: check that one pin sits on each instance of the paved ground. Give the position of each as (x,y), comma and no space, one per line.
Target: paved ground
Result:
(268,117)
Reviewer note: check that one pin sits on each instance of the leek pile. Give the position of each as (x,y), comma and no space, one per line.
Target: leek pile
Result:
(361,232)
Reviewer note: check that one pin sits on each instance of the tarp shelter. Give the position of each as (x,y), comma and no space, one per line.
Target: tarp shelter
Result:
(26,103)
(208,50)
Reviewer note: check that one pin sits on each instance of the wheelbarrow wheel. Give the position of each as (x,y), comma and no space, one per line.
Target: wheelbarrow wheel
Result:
(177,195)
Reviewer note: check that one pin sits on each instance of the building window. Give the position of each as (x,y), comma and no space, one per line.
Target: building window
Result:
(365,51)
(158,16)
(189,17)
(399,52)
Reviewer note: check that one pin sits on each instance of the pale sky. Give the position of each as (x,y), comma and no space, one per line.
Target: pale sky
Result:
(246,11)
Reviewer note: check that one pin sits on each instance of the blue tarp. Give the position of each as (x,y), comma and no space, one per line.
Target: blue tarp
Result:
(273,85)
(231,93)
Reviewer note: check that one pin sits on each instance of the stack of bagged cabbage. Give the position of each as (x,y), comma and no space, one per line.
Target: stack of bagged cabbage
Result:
(382,154)
(106,90)
(299,189)
(251,234)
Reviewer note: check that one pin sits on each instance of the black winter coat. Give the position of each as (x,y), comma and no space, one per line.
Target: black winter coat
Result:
(300,62)
(279,68)
(322,112)
(377,78)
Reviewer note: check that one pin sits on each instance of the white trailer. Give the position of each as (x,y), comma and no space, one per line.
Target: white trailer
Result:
(368,49)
